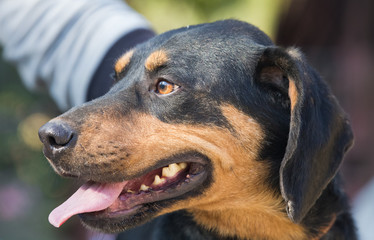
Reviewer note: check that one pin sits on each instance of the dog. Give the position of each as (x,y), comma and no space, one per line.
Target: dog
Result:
(209,132)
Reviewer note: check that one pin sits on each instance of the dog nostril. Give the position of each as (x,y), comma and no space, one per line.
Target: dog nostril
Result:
(56,135)
(59,141)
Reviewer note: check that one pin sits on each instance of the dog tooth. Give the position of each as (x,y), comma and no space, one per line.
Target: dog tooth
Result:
(143,187)
(182,165)
(166,172)
(174,168)
(158,180)
(171,170)
(130,191)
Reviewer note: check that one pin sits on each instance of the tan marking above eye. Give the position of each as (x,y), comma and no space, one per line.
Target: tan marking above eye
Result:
(123,61)
(156,59)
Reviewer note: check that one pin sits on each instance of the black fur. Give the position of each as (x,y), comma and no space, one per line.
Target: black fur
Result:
(228,62)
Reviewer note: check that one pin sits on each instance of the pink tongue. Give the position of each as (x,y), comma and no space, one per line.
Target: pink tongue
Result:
(91,197)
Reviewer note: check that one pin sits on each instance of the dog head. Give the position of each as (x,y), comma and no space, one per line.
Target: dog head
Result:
(218,114)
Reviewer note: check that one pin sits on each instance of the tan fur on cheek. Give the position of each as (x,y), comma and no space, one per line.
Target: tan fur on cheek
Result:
(122,141)
(239,201)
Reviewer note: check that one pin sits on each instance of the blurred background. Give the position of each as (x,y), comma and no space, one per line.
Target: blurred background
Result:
(336,35)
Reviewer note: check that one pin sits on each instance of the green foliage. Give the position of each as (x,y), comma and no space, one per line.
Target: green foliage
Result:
(169,14)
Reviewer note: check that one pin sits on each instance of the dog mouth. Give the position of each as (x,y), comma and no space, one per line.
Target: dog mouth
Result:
(95,201)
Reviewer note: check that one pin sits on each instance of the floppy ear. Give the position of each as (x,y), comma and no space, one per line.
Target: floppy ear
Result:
(319,133)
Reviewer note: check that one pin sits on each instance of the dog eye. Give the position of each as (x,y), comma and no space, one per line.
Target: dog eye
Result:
(164,87)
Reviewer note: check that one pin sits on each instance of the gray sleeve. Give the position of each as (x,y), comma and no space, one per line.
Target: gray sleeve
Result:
(58,44)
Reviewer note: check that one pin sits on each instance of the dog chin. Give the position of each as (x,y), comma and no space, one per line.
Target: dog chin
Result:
(109,224)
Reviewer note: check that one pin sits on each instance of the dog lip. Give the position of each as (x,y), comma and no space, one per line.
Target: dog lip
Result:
(60,171)
(128,204)
(148,198)
(68,175)
(188,157)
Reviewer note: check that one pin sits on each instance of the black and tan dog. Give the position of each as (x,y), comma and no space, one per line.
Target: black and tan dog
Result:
(216,129)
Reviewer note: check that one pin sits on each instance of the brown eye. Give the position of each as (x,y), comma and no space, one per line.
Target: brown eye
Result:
(164,87)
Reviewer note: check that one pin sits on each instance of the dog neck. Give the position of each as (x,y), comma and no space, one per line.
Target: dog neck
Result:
(249,224)
(325,229)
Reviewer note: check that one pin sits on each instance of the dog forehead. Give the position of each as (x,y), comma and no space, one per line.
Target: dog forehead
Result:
(220,31)
(226,35)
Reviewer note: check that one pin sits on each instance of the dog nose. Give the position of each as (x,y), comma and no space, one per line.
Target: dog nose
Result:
(56,136)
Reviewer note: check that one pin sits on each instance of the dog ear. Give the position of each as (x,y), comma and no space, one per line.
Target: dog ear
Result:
(319,133)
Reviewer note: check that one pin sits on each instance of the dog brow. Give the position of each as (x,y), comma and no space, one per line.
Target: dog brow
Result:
(123,61)
(156,59)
